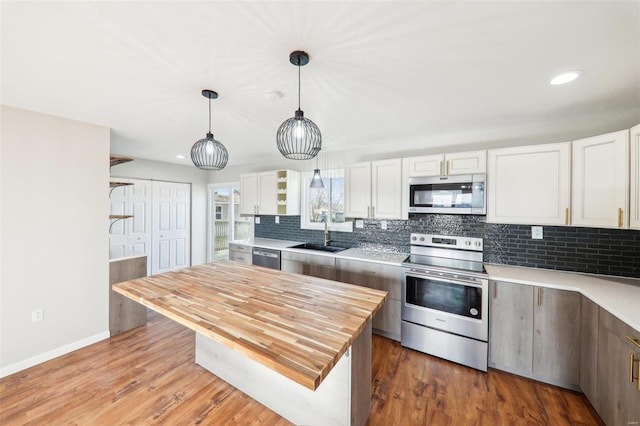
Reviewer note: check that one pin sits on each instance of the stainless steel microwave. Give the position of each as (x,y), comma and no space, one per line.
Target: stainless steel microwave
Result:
(457,194)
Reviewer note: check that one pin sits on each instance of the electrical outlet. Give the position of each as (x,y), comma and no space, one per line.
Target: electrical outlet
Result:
(536,232)
(383,225)
(359,223)
(277,219)
(37,315)
(257,220)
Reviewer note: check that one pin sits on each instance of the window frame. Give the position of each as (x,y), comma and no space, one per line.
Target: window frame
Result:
(305,223)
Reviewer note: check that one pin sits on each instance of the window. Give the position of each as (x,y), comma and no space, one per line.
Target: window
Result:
(225,222)
(320,204)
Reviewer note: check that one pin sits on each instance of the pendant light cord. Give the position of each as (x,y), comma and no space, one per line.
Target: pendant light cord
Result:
(209,115)
(299,82)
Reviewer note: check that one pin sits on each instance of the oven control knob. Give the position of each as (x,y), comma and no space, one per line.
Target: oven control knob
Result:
(421,238)
(467,243)
(473,311)
(414,238)
(478,243)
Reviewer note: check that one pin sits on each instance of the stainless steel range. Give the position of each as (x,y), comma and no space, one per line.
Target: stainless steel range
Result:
(445,299)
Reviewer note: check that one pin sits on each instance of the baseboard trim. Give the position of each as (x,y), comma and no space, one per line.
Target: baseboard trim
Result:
(46,356)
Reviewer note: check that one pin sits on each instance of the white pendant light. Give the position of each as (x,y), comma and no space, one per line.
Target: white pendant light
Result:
(299,138)
(208,153)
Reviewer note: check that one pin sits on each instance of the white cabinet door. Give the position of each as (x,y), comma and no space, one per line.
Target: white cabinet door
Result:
(248,193)
(357,188)
(386,189)
(461,163)
(427,165)
(171,226)
(600,184)
(529,185)
(634,211)
(268,193)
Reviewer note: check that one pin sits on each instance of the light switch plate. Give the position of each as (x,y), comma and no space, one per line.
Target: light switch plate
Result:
(383,225)
(536,232)
(257,220)
(277,219)
(359,223)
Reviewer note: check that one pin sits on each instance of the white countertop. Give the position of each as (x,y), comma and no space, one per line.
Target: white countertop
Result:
(127,258)
(351,253)
(267,243)
(620,296)
(395,259)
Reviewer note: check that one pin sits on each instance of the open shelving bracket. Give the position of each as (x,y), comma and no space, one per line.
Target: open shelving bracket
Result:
(117,217)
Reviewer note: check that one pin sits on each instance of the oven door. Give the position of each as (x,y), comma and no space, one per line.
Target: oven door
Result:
(446,302)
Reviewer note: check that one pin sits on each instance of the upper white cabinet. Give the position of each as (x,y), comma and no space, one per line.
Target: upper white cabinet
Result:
(374,189)
(600,181)
(458,163)
(529,184)
(270,193)
(634,211)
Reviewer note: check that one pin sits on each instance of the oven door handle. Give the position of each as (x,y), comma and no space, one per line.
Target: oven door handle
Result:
(476,282)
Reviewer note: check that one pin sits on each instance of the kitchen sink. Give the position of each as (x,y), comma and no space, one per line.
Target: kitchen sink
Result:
(319,247)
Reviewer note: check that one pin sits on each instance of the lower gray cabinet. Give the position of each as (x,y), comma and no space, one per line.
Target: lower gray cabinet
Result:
(124,313)
(379,276)
(240,253)
(618,371)
(589,348)
(511,326)
(315,265)
(535,332)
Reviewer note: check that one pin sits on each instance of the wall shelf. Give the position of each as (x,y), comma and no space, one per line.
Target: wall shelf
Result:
(113,185)
(117,217)
(114,160)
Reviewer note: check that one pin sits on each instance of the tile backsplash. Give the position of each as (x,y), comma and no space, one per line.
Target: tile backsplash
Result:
(592,250)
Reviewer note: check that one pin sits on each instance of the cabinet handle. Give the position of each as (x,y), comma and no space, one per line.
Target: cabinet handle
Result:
(631,359)
(495,290)
(373,211)
(620,217)
(566,216)
(441,168)
(539,296)
(634,341)
(447,171)
(639,375)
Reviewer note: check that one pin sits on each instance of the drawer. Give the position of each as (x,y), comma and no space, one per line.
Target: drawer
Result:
(240,257)
(239,248)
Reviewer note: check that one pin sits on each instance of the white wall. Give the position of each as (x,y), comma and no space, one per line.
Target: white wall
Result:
(156,170)
(54,236)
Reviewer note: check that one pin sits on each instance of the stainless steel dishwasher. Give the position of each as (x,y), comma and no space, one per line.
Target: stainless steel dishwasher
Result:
(268,258)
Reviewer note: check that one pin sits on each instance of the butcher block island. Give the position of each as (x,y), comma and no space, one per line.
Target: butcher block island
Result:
(300,345)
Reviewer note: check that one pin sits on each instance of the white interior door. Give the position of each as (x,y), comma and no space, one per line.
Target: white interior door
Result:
(131,237)
(171,240)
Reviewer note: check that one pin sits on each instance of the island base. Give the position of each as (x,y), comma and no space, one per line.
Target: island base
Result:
(343,397)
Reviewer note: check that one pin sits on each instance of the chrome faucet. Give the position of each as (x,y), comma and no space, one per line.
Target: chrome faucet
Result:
(326,232)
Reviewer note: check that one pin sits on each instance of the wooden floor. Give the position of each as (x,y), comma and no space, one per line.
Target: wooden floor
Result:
(148,376)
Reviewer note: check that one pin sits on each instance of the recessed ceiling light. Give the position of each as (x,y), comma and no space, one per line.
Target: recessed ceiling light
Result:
(182,157)
(565,77)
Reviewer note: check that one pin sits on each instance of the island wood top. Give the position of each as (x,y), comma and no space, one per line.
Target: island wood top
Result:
(294,324)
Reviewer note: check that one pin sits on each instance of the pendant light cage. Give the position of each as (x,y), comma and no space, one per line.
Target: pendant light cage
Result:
(209,153)
(299,138)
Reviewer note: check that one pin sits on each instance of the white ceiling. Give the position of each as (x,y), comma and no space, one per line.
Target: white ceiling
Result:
(391,76)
